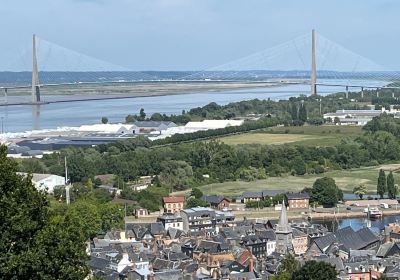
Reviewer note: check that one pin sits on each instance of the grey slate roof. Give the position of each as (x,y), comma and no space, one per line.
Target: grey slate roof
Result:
(98,263)
(324,242)
(252,195)
(213,199)
(297,196)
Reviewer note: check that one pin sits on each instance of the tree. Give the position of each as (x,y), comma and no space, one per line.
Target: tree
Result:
(391,187)
(326,192)
(112,216)
(156,117)
(85,214)
(104,120)
(34,244)
(381,187)
(313,270)
(102,195)
(57,252)
(175,174)
(142,115)
(294,112)
(89,183)
(360,190)
(287,268)
(303,113)
(197,193)
(195,202)
(299,166)
(281,276)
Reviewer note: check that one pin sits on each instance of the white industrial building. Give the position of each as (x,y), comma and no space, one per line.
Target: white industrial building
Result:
(46,182)
(353,117)
(113,128)
(139,127)
(213,124)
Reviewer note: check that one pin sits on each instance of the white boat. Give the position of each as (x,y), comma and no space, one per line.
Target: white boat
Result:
(374,212)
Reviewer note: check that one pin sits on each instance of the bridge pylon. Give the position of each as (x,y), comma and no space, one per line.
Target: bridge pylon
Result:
(313,65)
(35,73)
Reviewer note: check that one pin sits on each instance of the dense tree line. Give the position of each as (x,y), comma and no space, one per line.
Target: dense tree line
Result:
(183,165)
(295,110)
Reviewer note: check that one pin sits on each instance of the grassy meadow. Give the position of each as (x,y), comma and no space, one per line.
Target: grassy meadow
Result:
(345,179)
(325,135)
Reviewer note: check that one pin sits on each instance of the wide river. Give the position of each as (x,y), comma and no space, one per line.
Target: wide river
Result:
(21,118)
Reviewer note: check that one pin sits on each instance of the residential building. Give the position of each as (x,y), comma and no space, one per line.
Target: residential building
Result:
(224,218)
(258,196)
(110,189)
(173,204)
(299,241)
(141,212)
(198,218)
(170,220)
(298,200)
(216,201)
(251,196)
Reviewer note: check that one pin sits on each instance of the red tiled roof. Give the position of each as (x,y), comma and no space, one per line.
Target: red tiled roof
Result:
(173,199)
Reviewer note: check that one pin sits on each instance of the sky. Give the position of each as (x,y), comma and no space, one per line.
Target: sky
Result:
(198,34)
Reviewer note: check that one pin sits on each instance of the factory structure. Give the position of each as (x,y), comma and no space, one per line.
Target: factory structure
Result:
(35,145)
(357,117)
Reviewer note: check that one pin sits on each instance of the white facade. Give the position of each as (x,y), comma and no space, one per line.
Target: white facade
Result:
(174,224)
(213,124)
(271,244)
(47,181)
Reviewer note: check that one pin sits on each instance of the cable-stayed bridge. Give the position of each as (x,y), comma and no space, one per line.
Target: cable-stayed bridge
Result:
(306,59)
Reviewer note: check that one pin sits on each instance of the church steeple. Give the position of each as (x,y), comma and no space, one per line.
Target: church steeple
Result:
(283,233)
(283,225)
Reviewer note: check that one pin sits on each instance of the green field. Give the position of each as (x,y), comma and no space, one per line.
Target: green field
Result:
(345,179)
(326,135)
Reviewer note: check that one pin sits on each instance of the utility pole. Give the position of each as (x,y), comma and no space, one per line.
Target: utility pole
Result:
(67,183)
(313,65)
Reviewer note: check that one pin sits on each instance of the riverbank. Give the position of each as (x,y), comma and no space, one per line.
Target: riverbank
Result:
(330,215)
(83,92)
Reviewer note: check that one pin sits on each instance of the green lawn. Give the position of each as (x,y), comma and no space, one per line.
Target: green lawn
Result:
(325,135)
(345,179)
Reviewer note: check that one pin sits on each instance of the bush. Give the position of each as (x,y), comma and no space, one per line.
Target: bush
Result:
(259,204)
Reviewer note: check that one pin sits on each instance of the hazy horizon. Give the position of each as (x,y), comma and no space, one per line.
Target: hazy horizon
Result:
(185,35)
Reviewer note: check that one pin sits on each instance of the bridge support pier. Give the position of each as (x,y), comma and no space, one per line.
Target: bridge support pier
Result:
(313,66)
(5,95)
(35,74)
